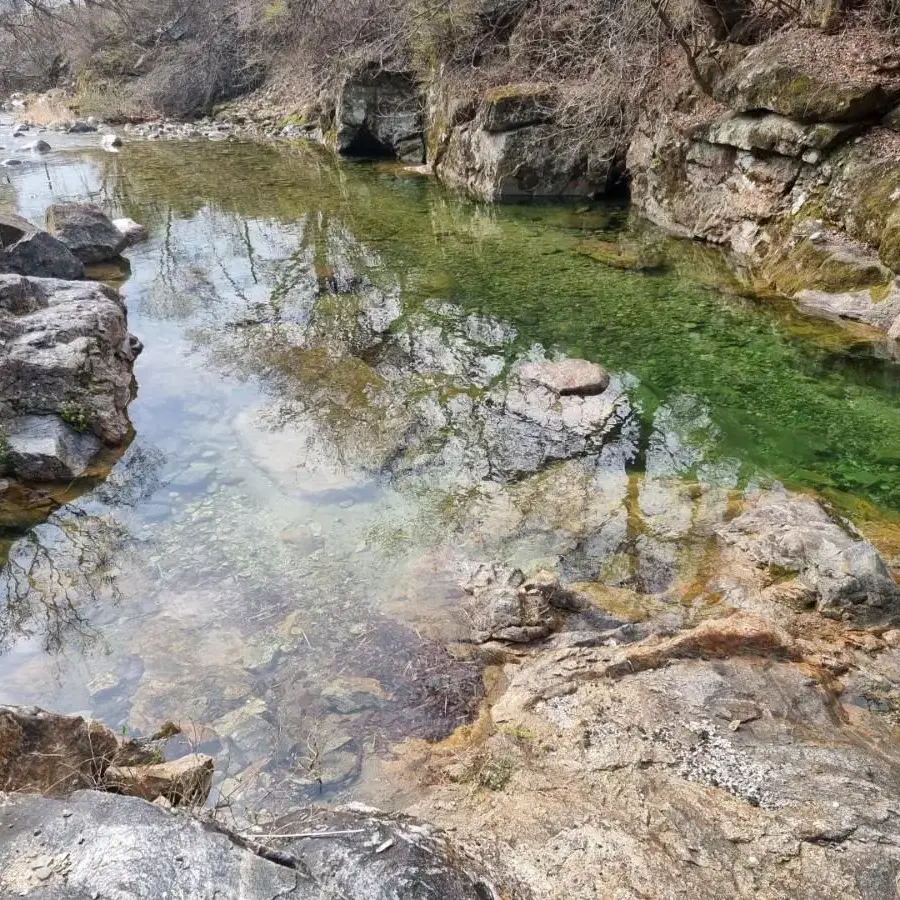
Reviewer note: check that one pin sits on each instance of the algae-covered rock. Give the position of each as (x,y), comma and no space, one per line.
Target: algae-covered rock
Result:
(621,255)
(863,196)
(829,274)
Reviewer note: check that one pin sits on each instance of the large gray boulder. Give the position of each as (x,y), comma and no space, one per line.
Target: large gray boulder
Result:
(66,361)
(26,250)
(86,230)
(101,845)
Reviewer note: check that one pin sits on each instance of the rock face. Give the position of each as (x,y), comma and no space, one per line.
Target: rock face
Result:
(86,230)
(77,850)
(794,174)
(65,374)
(510,147)
(25,250)
(779,77)
(379,113)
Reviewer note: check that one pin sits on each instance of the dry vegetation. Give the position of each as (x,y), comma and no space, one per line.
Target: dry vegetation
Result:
(132,58)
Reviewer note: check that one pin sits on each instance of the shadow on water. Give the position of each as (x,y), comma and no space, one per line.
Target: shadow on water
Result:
(330,434)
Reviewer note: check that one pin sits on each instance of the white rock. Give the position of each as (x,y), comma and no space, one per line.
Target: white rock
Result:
(130,230)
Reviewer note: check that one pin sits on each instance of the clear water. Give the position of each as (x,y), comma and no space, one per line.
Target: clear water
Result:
(275,557)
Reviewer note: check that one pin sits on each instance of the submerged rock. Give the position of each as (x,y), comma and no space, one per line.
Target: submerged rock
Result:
(567,376)
(86,230)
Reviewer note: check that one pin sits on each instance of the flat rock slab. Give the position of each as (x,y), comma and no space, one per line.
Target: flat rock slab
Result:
(567,377)
(94,845)
(102,845)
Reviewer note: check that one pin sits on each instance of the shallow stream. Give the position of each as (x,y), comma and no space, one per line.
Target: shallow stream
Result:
(323,447)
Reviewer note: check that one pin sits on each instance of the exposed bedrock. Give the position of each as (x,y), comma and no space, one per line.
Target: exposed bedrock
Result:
(793,167)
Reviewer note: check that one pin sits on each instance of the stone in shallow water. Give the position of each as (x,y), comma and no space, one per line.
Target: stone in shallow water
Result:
(27,251)
(568,376)
(185,780)
(44,448)
(132,231)
(85,229)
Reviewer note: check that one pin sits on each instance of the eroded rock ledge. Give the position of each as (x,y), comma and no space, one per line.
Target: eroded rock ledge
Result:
(792,167)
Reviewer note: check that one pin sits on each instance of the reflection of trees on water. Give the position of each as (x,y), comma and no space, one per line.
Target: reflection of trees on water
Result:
(55,576)
(64,570)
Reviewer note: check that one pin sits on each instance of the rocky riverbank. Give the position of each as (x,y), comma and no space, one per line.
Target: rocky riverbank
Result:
(733,734)
(70,790)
